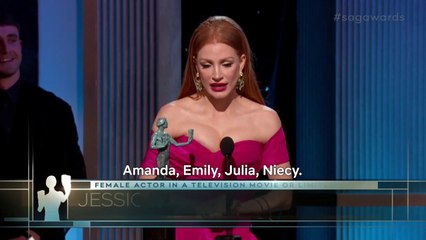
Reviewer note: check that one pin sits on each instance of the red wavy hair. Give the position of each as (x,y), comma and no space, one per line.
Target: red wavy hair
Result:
(221,29)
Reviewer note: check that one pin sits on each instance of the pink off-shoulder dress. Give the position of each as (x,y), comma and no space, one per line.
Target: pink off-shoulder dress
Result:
(248,152)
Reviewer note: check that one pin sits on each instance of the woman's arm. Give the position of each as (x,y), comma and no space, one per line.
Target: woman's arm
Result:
(273,201)
(190,137)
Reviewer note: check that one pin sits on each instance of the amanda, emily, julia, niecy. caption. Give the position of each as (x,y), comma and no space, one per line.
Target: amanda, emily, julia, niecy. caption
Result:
(213,172)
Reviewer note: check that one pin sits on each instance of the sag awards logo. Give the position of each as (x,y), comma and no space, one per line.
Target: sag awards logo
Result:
(51,201)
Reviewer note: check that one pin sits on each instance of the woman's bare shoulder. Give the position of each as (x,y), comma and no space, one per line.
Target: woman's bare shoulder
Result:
(174,109)
(269,117)
(167,110)
(265,119)
(175,112)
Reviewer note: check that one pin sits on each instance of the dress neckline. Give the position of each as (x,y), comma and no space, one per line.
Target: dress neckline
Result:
(241,142)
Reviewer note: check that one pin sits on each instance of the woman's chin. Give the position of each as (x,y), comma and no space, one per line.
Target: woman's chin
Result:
(219,95)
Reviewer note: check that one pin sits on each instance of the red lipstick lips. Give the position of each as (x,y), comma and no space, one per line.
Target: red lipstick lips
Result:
(218,87)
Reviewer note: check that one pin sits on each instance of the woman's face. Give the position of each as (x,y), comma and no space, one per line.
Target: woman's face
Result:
(219,67)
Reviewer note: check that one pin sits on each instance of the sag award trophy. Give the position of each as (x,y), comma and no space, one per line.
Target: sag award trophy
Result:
(161,141)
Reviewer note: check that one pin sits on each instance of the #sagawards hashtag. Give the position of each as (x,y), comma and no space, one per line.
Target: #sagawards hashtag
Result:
(336,17)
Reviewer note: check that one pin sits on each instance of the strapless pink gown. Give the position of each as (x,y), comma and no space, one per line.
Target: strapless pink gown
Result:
(252,153)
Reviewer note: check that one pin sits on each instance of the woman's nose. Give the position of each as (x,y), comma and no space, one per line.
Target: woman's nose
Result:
(217,74)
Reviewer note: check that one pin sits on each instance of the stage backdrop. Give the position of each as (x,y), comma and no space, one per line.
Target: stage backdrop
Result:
(360,91)
(360,103)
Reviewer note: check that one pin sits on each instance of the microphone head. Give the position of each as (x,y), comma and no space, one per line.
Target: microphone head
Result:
(227,146)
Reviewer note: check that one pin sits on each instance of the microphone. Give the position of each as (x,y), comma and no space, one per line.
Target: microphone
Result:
(227,146)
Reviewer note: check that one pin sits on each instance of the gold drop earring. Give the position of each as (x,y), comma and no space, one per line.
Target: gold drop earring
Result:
(197,82)
(240,82)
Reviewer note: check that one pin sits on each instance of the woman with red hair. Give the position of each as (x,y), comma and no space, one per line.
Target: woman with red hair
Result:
(220,97)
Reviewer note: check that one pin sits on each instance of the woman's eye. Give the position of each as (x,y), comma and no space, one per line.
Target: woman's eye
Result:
(205,65)
(227,64)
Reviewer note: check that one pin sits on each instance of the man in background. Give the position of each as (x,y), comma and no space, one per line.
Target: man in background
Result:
(38,136)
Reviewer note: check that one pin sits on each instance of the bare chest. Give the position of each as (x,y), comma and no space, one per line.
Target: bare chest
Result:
(210,133)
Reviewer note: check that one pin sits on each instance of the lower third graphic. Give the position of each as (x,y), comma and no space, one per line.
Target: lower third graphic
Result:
(51,201)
